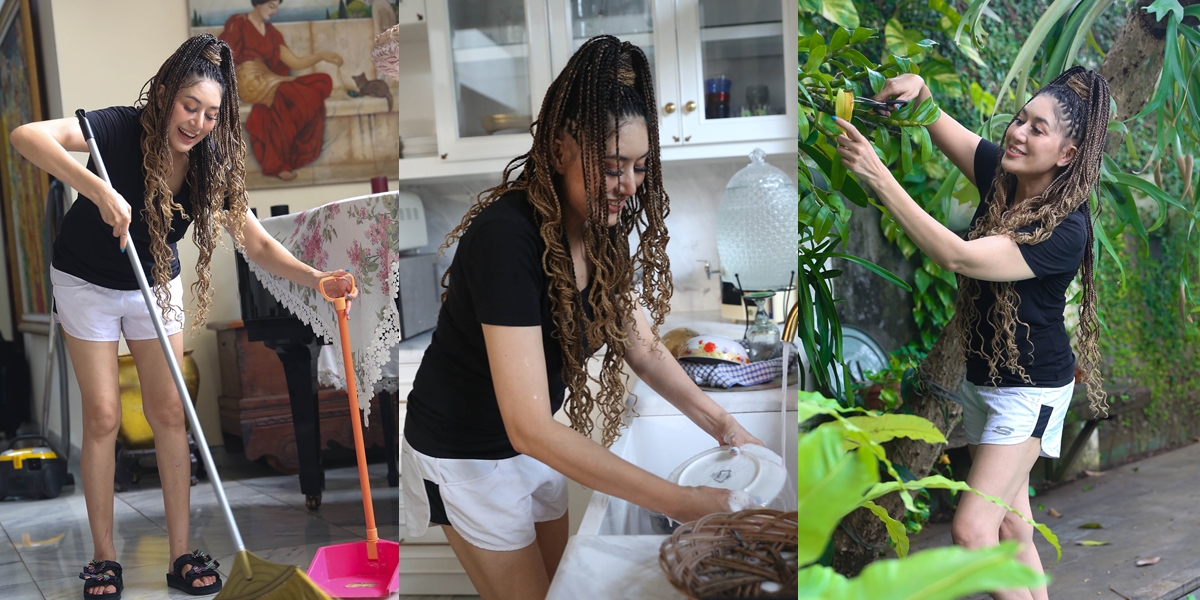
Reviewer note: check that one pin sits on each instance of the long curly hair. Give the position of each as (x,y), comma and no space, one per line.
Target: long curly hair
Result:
(216,165)
(606,83)
(1083,111)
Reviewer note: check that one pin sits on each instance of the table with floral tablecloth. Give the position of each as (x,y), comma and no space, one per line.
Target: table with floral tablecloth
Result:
(359,235)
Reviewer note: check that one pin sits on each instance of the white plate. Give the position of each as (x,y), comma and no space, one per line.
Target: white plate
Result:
(756,471)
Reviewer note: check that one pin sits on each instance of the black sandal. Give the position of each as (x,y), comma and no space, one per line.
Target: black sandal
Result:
(202,565)
(96,574)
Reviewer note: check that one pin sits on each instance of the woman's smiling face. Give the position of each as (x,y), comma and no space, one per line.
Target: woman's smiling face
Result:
(194,115)
(1035,143)
(624,170)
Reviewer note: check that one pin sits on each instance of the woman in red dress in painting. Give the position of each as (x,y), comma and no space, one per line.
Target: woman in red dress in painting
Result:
(287,123)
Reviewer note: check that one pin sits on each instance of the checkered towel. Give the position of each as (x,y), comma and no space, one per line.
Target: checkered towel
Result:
(726,375)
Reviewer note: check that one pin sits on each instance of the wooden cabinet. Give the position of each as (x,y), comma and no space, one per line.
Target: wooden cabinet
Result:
(255,410)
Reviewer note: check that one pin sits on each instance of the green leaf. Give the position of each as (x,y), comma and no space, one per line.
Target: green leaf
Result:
(850,188)
(1085,30)
(1091,526)
(877,80)
(840,37)
(940,574)
(887,427)
(816,56)
(906,163)
(811,404)
(874,268)
(940,482)
(895,528)
(830,487)
(1161,8)
(893,36)
(924,144)
(1091,543)
(1102,237)
(838,175)
(841,12)
(860,35)
(1019,70)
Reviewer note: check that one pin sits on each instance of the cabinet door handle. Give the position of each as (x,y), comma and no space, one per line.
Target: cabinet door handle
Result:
(669,108)
(689,107)
(687,139)
(675,137)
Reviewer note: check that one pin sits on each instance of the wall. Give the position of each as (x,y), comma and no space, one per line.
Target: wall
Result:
(92,61)
(695,189)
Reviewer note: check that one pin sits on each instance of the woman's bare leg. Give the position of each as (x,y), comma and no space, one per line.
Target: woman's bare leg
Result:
(1003,472)
(95,365)
(552,541)
(512,575)
(164,413)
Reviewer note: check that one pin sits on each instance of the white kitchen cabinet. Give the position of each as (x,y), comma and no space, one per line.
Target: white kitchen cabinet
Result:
(490,61)
(498,57)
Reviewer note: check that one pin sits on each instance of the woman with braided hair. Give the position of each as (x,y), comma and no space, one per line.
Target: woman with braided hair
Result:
(1027,241)
(174,160)
(543,276)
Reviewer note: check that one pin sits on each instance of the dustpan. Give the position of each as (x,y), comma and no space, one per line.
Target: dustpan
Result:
(370,568)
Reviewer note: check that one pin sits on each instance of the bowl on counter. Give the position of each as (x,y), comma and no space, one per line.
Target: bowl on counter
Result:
(714,349)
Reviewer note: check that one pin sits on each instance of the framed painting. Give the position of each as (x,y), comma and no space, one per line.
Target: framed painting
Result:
(313,109)
(23,186)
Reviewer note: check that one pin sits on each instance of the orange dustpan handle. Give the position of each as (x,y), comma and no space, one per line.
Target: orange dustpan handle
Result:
(339,303)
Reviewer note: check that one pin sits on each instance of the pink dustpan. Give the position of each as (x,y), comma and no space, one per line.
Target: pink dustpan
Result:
(371,568)
(344,571)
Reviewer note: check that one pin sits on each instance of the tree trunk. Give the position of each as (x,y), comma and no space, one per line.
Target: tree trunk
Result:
(1132,67)
(1134,62)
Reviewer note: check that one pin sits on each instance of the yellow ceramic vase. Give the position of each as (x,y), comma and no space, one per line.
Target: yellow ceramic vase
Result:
(135,431)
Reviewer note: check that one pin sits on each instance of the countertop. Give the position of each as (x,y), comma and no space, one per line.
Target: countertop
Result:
(412,349)
(603,567)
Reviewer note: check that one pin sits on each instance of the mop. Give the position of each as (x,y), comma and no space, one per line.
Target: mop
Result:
(371,568)
(251,576)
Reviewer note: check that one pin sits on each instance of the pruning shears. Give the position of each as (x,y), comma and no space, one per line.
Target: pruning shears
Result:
(876,105)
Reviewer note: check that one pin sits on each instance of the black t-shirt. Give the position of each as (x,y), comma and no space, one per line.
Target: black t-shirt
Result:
(496,278)
(1044,346)
(85,246)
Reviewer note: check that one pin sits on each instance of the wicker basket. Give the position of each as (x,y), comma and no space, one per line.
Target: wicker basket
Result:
(749,554)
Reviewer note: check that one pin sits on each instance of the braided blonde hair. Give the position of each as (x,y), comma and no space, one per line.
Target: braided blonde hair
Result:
(216,165)
(1083,109)
(606,83)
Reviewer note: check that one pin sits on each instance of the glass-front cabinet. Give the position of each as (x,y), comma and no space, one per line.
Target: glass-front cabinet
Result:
(490,67)
(721,70)
(733,73)
(573,22)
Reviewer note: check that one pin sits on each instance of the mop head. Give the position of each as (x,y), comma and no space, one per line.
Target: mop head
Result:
(253,577)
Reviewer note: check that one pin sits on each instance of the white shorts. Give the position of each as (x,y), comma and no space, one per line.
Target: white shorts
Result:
(1007,416)
(98,314)
(492,504)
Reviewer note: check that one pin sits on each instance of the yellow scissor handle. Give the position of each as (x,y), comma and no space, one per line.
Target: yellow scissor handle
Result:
(321,288)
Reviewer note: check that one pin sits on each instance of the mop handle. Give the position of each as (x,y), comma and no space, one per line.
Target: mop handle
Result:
(131,252)
(339,303)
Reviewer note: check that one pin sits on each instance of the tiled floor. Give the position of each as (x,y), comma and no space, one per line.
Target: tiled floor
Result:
(45,543)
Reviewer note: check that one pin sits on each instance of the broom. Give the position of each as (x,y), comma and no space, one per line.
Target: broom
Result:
(251,576)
